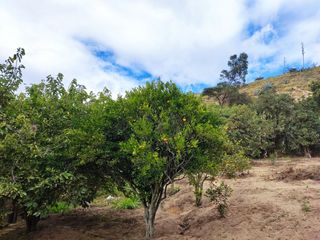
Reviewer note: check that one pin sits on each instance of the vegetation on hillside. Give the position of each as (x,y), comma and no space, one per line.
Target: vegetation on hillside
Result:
(296,84)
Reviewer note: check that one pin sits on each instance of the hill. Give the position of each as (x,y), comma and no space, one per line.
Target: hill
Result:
(296,84)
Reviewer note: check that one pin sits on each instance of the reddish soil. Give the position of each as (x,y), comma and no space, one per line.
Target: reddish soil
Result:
(278,201)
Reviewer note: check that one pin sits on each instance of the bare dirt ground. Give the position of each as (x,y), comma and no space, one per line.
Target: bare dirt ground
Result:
(280,201)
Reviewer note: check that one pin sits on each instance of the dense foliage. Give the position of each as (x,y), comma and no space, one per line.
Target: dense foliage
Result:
(274,124)
(64,145)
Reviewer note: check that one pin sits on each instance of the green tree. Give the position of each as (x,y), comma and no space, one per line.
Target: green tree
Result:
(10,77)
(52,147)
(159,132)
(250,130)
(28,149)
(226,94)
(208,156)
(278,109)
(305,127)
(238,69)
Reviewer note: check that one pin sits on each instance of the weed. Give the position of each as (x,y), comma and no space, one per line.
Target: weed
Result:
(219,195)
(305,206)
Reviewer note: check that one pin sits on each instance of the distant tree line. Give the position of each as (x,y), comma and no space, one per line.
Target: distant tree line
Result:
(271,123)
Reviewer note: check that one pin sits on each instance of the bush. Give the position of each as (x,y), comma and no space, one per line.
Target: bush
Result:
(266,87)
(61,207)
(293,70)
(126,203)
(219,195)
(235,164)
(259,78)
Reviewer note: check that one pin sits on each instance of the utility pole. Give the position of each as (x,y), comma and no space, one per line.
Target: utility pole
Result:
(302,51)
(284,65)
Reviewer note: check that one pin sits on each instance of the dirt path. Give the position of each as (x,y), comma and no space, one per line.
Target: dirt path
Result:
(260,208)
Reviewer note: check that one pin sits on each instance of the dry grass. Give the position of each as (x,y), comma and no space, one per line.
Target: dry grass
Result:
(295,84)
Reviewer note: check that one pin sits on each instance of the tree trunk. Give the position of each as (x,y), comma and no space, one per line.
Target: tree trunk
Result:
(150,210)
(198,195)
(198,181)
(12,217)
(31,223)
(149,217)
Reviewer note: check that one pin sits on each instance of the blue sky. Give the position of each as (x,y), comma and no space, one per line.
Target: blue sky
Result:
(122,44)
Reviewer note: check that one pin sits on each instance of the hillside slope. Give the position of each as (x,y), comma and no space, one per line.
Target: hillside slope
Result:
(296,84)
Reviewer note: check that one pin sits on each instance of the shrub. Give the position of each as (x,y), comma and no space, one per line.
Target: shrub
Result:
(235,164)
(293,70)
(259,78)
(219,195)
(126,203)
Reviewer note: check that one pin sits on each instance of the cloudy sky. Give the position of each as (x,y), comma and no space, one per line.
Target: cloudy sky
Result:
(120,44)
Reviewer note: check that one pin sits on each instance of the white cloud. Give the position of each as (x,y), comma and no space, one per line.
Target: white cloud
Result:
(186,41)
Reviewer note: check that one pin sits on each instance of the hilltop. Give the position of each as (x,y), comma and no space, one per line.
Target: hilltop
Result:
(296,84)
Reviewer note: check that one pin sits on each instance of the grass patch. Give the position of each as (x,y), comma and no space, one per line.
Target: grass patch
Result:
(61,207)
(296,84)
(126,203)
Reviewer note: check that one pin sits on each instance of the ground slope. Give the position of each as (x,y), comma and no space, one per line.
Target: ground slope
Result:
(296,84)
(267,204)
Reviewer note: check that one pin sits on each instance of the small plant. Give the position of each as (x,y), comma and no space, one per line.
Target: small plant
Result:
(219,195)
(305,206)
(60,207)
(126,203)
